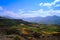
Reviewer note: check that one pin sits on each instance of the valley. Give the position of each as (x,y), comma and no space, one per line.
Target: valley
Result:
(18,29)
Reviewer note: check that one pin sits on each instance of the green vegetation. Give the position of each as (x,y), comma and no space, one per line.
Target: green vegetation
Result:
(27,29)
(11,31)
(17,38)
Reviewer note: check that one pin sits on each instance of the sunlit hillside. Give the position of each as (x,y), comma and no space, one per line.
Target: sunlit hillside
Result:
(29,19)
(19,29)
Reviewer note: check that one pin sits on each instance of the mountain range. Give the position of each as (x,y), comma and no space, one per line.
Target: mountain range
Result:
(44,20)
(40,20)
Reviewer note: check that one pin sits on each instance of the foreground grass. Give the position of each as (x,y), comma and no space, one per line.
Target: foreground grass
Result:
(41,29)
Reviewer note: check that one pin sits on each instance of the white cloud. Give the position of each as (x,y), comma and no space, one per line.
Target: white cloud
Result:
(27,14)
(58,5)
(1,8)
(21,11)
(9,14)
(49,4)
(41,4)
(41,13)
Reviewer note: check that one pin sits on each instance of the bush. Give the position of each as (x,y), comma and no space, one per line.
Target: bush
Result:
(11,31)
(17,38)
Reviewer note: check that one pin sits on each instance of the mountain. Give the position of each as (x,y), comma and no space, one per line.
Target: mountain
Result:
(44,20)
(12,22)
(8,22)
(41,20)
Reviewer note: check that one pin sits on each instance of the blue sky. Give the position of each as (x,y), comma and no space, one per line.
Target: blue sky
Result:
(29,8)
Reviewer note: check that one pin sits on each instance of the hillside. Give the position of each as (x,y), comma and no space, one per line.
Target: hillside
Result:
(18,29)
(12,22)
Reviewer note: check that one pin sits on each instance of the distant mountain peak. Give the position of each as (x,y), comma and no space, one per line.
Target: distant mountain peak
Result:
(45,20)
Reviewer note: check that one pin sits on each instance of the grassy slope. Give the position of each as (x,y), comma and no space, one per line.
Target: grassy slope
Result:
(26,28)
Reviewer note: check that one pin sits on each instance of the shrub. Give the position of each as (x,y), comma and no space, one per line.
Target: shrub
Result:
(17,38)
(11,31)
